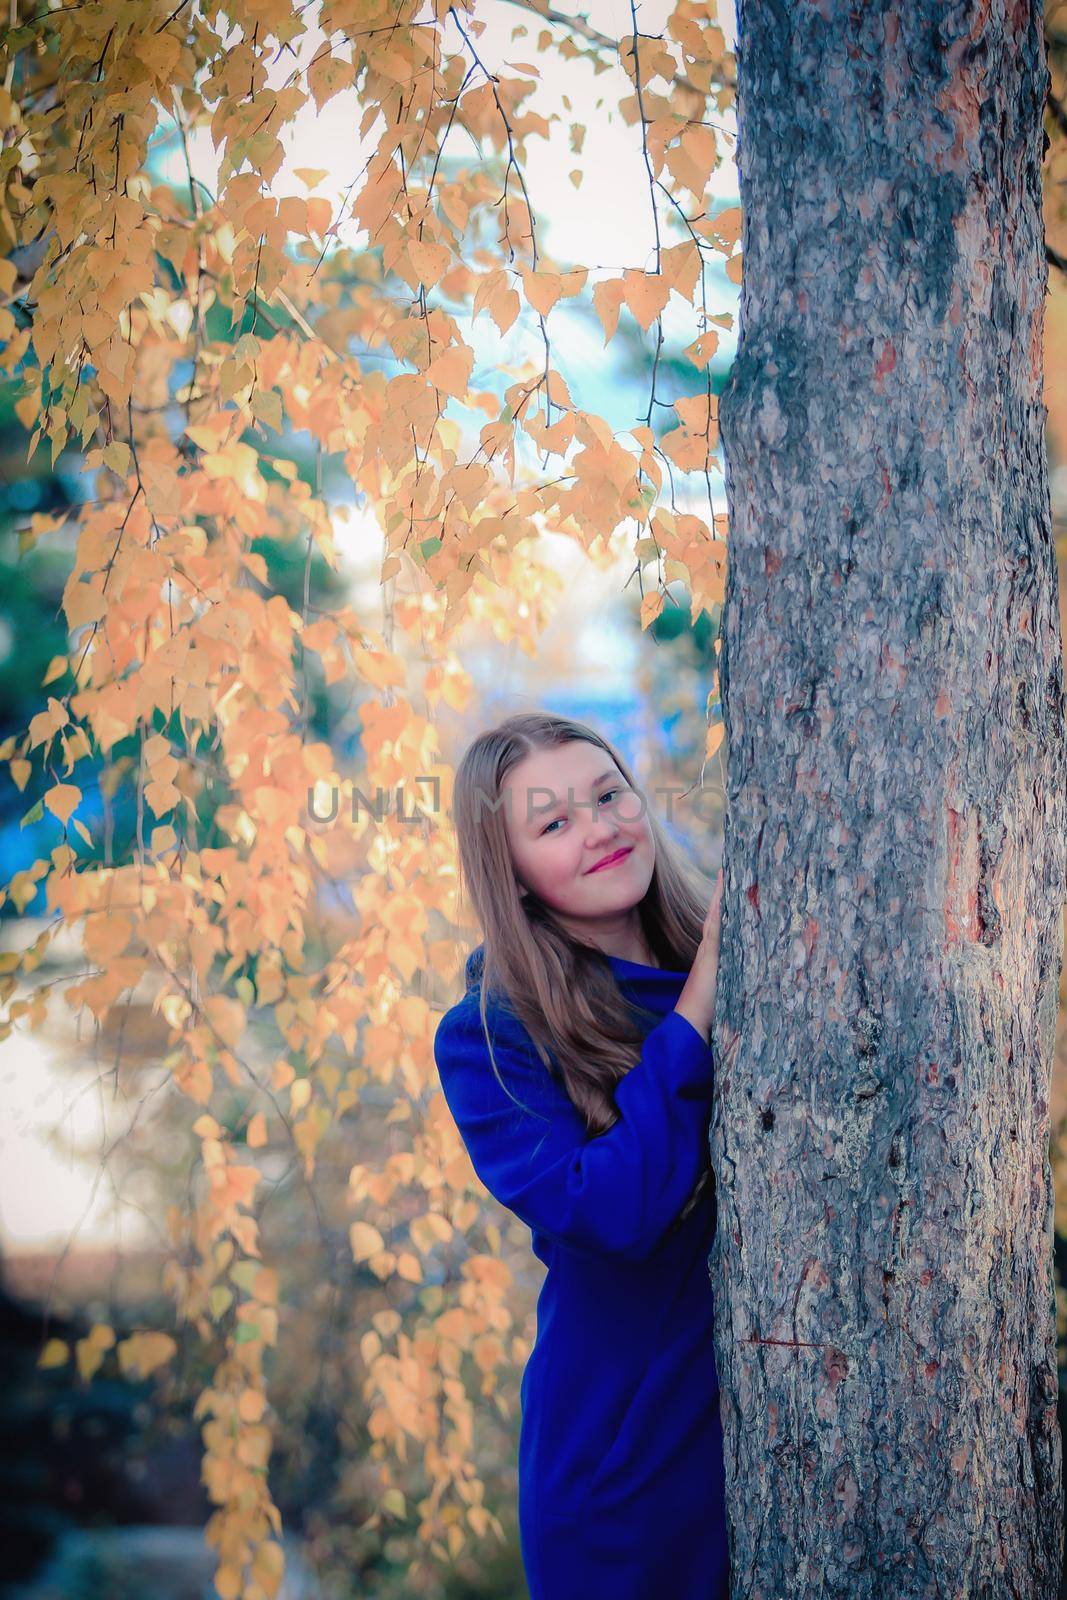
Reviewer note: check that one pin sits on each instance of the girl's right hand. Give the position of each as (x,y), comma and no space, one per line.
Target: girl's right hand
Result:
(697,1000)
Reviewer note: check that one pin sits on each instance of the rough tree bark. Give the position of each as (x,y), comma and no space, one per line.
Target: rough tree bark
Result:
(894,872)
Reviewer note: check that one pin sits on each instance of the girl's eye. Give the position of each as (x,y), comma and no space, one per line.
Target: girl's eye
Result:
(552,824)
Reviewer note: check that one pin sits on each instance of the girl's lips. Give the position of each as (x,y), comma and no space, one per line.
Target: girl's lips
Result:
(620,855)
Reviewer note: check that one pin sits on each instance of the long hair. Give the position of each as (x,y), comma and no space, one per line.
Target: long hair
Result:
(562,990)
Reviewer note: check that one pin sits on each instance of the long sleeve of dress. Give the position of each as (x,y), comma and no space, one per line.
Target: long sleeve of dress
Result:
(615,1194)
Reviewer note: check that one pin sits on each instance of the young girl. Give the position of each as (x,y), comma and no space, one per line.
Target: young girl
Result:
(578,1070)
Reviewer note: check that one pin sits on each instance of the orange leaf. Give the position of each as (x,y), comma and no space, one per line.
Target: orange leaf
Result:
(451,371)
(646,295)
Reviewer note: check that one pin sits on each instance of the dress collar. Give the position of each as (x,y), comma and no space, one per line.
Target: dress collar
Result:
(641,969)
(627,971)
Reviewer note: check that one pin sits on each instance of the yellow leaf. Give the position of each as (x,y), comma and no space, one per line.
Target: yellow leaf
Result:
(607,299)
(366,1240)
(394,1502)
(46,724)
(239,463)
(420,262)
(646,295)
(430,1228)
(267,407)
(382,1263)
(106,937)
(327,74)
(282,1075)
(117,456)
(256,1135)
(726,224)
(20,772)
(228,1579)
(226,1016)
(90,1350)
(251,1404)
(407,1266)
(268,1567)
(451,371)
(56,668)
(142,1353)
(220,1300)
(62,800)
(543,289)
(84,602)
(175,1008)
(208,435)
(54,1354)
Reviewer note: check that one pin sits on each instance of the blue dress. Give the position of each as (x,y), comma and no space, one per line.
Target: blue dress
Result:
(621,1476)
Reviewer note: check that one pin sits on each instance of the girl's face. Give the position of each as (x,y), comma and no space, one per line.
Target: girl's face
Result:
(566,809)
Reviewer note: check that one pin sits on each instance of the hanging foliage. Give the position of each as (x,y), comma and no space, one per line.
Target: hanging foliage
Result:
(177,335)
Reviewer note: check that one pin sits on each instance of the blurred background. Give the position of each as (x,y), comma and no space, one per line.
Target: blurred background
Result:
(101,1493)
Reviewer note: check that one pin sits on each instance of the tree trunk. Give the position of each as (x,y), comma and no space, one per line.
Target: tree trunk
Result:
(892,938)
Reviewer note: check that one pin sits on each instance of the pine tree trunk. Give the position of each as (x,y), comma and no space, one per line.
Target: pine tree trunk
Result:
(894,874)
